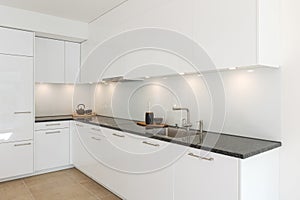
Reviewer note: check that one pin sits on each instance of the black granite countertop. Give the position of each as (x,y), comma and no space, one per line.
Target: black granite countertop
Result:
(53,118)
(230,145)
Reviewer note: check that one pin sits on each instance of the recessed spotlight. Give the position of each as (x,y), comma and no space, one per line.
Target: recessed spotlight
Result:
(200,75)
(250,70)
(181,73)
(147,76)
(232,68)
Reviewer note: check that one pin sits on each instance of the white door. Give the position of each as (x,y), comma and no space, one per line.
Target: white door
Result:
(16,159)
(52,148)
(49,61)
(204,175)
(72,62)
(16,98)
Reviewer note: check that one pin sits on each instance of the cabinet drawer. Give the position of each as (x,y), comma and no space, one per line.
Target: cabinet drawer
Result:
(16,42)
(51,125)
(52,148)
(16,159)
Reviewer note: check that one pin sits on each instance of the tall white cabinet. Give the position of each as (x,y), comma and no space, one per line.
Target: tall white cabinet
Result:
(16,98)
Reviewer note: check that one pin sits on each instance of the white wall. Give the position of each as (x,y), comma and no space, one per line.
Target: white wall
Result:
(60,99)
(44,25)
(290,162)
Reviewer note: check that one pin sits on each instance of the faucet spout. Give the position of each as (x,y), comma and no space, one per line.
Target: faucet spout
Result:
(188,116)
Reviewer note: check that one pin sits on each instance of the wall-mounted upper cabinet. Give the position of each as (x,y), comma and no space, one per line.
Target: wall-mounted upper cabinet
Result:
(56,61)
(16,42)
(72,62)
(231,33)
(238,33)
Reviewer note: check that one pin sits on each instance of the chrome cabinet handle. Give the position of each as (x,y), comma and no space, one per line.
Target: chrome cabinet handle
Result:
(52,132)
(24,112)
(94,138)
(117,135)
(151,144)
(57,124)
(96,129)
(200,157)
(25,144)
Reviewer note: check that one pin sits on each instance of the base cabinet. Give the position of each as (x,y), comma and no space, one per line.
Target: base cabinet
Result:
(23,151)
(52,145)
(203,175)
(52,149)
(135,167)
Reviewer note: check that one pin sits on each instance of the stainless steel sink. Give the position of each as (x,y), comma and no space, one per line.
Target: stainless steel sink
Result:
(176,134)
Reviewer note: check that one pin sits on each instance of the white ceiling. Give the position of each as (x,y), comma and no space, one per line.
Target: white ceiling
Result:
(80,10)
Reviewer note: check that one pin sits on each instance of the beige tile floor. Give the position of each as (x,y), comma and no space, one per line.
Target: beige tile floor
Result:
(68,184)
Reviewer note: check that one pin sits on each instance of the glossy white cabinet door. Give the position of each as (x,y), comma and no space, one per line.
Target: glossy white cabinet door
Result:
(72,62)
(49,60)
(196,178)
(16,159)
(52,148)
(16,97)
(16,42)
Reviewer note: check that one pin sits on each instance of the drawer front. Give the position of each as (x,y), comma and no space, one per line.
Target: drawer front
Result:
(51,125)
(16,42)
(52,148)
(16,159)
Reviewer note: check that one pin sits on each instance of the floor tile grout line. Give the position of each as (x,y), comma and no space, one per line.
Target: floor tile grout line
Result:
(92,193)
(28,189)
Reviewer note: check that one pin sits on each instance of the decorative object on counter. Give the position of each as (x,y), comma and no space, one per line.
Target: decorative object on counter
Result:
(151,125)
(88,112)
(149,116)
(82,113)
(80,109)
(75,115)
(158,120)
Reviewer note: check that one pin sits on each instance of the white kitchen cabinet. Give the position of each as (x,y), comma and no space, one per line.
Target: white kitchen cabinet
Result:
(57,61)
(196,177)
(72,62)
(136,167)
(52,149)
(16,42)
(16,94)
(230,33)
(108,155)
(52,145)
(49,61)
(16,159)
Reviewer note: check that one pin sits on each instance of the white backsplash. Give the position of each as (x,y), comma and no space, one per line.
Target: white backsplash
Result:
(251,101)
(60,99)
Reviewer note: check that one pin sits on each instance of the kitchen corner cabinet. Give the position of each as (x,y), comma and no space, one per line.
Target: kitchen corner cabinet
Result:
(124,163)
(56,61)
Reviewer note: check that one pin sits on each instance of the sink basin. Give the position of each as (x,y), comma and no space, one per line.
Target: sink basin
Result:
(171,132)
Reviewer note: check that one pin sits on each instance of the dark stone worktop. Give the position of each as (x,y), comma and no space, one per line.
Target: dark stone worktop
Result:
(230,145)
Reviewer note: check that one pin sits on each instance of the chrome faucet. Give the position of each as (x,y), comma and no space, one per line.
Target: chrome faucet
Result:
(186,123)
